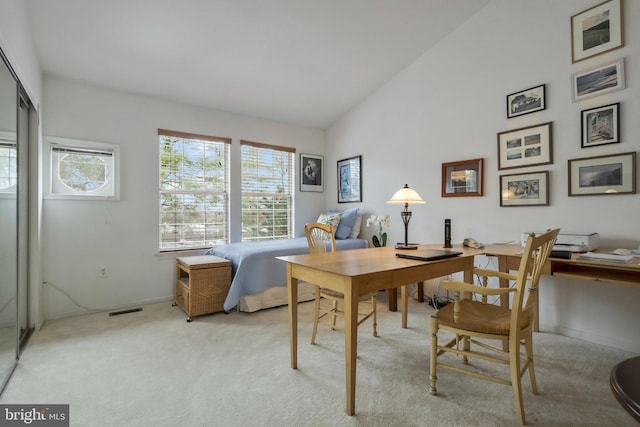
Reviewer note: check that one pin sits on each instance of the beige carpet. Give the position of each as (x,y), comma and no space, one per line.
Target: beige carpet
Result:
(152,368)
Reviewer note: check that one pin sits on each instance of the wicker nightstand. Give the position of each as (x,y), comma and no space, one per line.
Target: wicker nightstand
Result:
(202,284)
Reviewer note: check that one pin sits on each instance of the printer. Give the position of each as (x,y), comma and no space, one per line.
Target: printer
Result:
(572,242)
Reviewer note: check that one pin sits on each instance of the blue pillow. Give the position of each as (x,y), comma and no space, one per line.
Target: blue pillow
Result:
(346,223)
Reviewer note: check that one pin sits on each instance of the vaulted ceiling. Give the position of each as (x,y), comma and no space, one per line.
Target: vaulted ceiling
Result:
(303,62)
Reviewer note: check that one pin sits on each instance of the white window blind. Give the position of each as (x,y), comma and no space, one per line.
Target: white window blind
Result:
(194,190)
(267,191)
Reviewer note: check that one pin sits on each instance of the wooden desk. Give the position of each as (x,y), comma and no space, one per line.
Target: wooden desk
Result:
(357,272)
(596,271)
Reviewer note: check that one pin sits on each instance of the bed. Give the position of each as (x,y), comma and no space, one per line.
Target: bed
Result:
(259,280)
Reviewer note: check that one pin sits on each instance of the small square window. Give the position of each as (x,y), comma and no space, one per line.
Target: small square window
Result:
(82,169)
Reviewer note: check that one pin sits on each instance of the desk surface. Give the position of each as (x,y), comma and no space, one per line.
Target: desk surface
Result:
(596,271)
(363,262)
(516,249)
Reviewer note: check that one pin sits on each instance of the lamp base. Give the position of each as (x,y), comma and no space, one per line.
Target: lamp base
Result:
(409,246)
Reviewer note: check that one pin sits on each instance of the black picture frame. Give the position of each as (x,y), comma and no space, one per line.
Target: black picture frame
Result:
(526,101)
(311,173)
(350,180)
(600,125)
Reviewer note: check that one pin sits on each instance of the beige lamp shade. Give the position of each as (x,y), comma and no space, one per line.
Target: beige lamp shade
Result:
(406,195)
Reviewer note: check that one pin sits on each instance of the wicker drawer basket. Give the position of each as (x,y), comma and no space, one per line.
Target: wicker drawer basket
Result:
(202,284)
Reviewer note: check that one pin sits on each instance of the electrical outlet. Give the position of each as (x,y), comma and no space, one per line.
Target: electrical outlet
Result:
(103,272)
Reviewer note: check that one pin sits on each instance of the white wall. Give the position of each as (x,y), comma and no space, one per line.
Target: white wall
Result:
(81,236)
(449,106)
(17,44)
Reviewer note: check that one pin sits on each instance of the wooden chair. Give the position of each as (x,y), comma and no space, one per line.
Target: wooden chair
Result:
(472,320)
(320,238)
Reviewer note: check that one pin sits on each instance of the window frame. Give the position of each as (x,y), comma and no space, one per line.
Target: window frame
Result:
(290,194)
(163,246)
(112,151)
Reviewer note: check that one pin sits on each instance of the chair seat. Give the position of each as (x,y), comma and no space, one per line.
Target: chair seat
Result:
(479,317)
(340,295)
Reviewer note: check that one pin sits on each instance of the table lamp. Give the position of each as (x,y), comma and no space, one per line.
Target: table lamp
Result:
(405,196)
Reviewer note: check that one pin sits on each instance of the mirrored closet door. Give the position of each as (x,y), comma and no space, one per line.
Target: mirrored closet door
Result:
(9,215)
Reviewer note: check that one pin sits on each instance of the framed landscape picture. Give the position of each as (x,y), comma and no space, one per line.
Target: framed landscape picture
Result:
(598,81)
(601,125)
(526,101)
(462,179)
(600,175)
(525,189)
(596,30)
(311,173)
(350,180)
(527,146)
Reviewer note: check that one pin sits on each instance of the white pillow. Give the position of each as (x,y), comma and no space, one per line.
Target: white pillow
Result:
(330,219)
(355,230)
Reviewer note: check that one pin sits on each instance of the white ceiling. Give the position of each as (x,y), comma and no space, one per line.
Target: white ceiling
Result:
(304,62)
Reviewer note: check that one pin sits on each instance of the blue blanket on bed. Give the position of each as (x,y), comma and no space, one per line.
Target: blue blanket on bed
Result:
(255,268)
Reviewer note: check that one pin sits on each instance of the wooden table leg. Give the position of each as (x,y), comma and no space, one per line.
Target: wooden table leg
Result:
(393,299)
(404,305)
(420,291)
(503,265)
(292,289)
(350,344)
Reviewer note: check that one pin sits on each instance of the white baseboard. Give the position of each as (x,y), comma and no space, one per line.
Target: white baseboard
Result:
(608,341)
(80,312)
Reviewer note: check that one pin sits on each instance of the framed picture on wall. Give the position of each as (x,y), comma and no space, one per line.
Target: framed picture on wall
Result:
(350,180)
(598,81)
(311,172)
(462,179)
(596,30)
(525,189)
(526,101)
(527,146)
(601,125)
(603,175)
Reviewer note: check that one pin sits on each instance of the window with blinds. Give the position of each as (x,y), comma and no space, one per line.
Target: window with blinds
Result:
(82,169)
(194,190)
(267,191)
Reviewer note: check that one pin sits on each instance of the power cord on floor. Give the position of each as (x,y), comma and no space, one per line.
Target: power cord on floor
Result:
(62,291)
(438,302)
